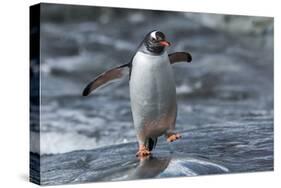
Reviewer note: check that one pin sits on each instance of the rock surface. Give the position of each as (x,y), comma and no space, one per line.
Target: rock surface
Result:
(177,159)
(119,163)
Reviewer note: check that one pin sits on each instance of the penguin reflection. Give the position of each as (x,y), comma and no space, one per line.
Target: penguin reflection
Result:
(149,167)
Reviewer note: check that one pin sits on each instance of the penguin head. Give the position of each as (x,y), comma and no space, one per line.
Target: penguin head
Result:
(155,43)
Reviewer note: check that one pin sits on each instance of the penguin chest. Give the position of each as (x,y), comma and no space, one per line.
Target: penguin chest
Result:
(153,94)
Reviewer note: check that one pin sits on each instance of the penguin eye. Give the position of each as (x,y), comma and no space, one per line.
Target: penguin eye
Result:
(153,39)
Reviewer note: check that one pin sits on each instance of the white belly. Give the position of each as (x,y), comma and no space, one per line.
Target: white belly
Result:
(153,94)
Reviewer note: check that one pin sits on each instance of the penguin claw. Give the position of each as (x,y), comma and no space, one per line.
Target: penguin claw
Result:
(173,137)
(143,152)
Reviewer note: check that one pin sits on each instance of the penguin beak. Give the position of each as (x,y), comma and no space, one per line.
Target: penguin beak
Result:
(164,43)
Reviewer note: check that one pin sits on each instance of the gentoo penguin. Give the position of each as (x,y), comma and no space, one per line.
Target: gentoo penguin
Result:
(152,90)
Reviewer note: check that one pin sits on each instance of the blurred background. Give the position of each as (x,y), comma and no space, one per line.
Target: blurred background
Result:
(225,96)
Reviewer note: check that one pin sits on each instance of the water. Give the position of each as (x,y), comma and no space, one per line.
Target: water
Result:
(225,96)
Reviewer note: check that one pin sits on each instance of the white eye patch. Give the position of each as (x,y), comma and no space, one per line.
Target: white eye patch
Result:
(153,34)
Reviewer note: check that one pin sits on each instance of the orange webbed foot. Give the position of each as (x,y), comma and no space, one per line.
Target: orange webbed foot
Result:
(143,152)
(173,136)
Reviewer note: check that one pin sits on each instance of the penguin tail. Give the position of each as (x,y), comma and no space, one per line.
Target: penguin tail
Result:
(151,143)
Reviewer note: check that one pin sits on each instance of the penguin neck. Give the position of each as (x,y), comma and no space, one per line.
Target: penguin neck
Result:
(154,52)
(150,60)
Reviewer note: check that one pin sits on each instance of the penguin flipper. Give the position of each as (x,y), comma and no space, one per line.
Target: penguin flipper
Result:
(107,77)
(180,57)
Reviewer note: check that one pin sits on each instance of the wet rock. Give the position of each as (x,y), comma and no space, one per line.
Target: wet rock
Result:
(181,158)
(118,162)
